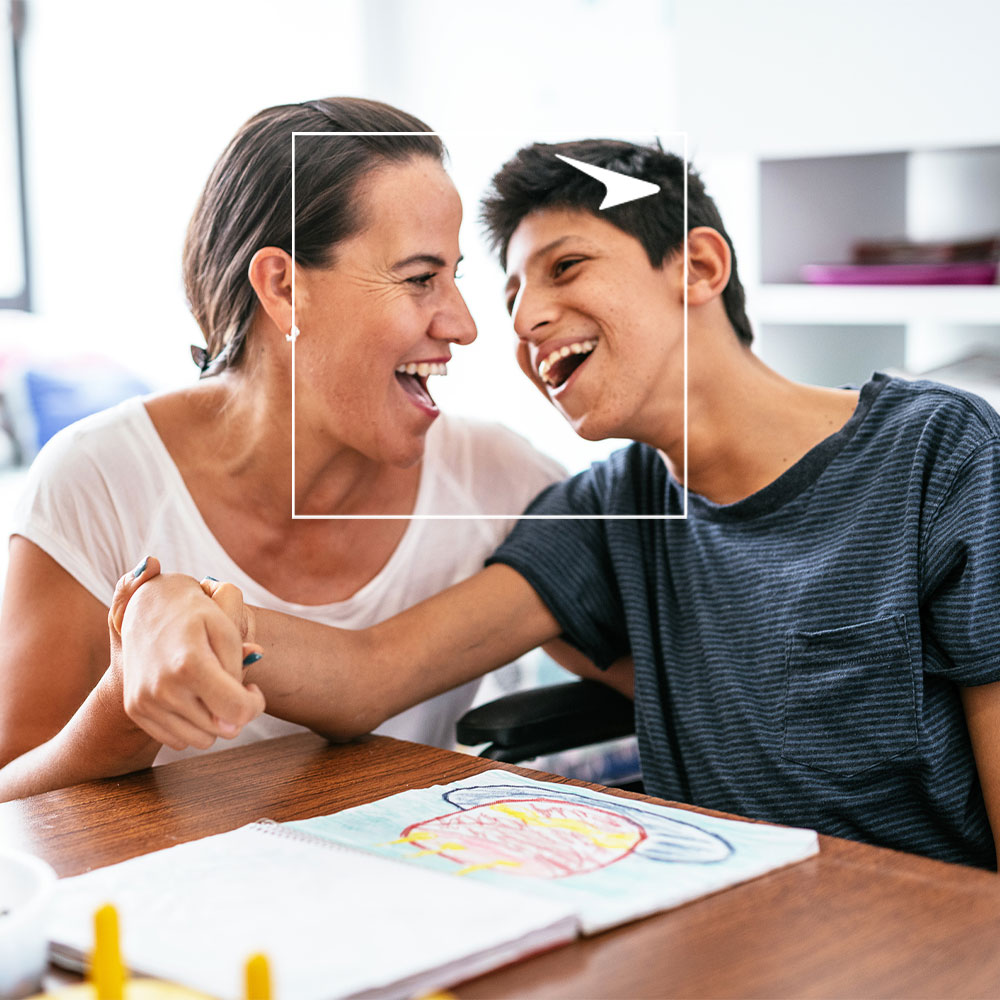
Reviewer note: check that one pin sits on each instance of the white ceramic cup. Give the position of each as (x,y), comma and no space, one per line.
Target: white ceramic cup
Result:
(26,887)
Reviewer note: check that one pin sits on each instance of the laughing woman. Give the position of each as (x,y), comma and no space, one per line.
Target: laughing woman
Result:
(204,476)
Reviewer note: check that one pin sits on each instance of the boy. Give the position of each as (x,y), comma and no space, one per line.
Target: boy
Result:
(813,645)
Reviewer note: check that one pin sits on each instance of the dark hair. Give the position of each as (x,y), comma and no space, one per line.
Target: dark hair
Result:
(536,179)
(247,204)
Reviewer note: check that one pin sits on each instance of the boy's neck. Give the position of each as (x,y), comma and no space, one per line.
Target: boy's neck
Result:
(747,424)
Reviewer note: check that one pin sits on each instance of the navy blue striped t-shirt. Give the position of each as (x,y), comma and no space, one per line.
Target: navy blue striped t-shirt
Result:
(798,654)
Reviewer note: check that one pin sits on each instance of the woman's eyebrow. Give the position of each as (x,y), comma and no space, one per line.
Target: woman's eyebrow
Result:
(429,259)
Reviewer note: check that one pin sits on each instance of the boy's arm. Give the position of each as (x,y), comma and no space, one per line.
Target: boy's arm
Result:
(960,579)
(98,739)
(620,675)
(182,654)
(982,715)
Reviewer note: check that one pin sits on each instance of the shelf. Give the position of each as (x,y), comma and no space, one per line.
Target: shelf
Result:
(816,209)
(883,304)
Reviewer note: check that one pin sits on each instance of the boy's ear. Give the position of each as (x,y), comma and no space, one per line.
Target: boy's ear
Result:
(270,275)
(709,265)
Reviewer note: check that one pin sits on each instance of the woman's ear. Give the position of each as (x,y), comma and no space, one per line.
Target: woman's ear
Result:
(270,275)
(710,263)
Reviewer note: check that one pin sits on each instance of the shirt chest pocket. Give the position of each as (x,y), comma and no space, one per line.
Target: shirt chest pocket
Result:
(849,697)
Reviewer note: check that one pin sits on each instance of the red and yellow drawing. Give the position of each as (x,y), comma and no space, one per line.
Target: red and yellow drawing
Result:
(544,838)
(561,832)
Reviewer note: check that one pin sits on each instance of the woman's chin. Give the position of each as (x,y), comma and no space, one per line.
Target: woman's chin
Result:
(411,459)
(404,450)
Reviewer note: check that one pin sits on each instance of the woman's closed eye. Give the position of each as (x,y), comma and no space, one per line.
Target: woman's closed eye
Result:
(422,280)
(425,280)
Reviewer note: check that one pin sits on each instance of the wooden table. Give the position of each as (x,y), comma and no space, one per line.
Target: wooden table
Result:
(856,921)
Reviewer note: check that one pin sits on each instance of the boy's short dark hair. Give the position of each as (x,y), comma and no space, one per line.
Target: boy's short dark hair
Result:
(536,179)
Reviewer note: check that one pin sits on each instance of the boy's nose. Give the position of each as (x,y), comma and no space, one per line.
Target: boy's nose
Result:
(532,312)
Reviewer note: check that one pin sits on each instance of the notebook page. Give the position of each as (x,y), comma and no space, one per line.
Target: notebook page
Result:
(611,859)
(333,922)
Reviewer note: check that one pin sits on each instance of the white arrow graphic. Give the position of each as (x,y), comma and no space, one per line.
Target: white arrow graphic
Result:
(619,188)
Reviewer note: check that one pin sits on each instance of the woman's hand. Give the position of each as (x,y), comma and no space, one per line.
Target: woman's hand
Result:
(183,659)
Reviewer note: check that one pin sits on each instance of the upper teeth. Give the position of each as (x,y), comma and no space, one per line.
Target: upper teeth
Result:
(580,347)
(423,368)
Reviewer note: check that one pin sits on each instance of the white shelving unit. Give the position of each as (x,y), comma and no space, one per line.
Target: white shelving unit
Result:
(812,209)
(854,304)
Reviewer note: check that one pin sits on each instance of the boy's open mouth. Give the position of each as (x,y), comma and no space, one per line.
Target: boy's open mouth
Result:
(412,378)
(556,369)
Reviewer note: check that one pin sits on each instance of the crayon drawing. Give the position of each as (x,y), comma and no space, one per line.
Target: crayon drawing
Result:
(612,859)
(553,835)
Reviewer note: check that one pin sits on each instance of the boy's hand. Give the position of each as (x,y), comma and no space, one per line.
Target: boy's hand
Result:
(182,657)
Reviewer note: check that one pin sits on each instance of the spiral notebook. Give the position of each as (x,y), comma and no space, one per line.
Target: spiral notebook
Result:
(333,921)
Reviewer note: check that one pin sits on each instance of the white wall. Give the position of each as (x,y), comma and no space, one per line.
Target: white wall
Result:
(11,270)
(790,77)
(128,105)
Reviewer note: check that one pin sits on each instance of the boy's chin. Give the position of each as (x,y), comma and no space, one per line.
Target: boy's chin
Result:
(591,427)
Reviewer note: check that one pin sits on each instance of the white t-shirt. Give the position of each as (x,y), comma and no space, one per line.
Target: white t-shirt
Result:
(104,492)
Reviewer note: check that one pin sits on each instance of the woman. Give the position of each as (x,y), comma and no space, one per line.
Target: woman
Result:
(204,476)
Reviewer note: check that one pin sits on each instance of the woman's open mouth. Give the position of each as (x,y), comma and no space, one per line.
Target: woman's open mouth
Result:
(412,378)
(555,369)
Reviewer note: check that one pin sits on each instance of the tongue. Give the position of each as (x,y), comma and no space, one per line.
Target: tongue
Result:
(414,386)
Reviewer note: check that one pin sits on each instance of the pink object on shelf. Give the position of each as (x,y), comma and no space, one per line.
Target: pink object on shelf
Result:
(957,273)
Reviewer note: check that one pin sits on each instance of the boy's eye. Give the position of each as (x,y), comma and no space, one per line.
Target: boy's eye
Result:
(564,265)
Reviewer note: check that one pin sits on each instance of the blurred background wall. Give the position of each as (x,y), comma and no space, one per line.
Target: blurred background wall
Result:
(813,124)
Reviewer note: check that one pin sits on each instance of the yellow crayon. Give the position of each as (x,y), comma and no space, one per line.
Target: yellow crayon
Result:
(107,971)
(258,978)
(108,978)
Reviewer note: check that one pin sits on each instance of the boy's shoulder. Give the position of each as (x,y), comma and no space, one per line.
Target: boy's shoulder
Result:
(938,406)
(921,439)
(936,424)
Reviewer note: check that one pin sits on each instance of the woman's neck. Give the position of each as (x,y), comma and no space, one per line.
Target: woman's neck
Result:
(231,443)
(233,435)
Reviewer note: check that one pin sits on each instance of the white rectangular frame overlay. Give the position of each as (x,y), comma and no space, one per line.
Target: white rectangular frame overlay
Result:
(494,517)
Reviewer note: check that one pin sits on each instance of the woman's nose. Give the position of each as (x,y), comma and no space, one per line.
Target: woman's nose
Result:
(454,322)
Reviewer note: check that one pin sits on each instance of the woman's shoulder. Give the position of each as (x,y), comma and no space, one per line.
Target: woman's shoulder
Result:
(104,465)
(105,437)
(88,493)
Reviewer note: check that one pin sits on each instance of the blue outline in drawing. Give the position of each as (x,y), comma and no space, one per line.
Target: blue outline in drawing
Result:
(667,839)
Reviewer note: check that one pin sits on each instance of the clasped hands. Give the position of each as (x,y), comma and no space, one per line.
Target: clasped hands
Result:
(183,656)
